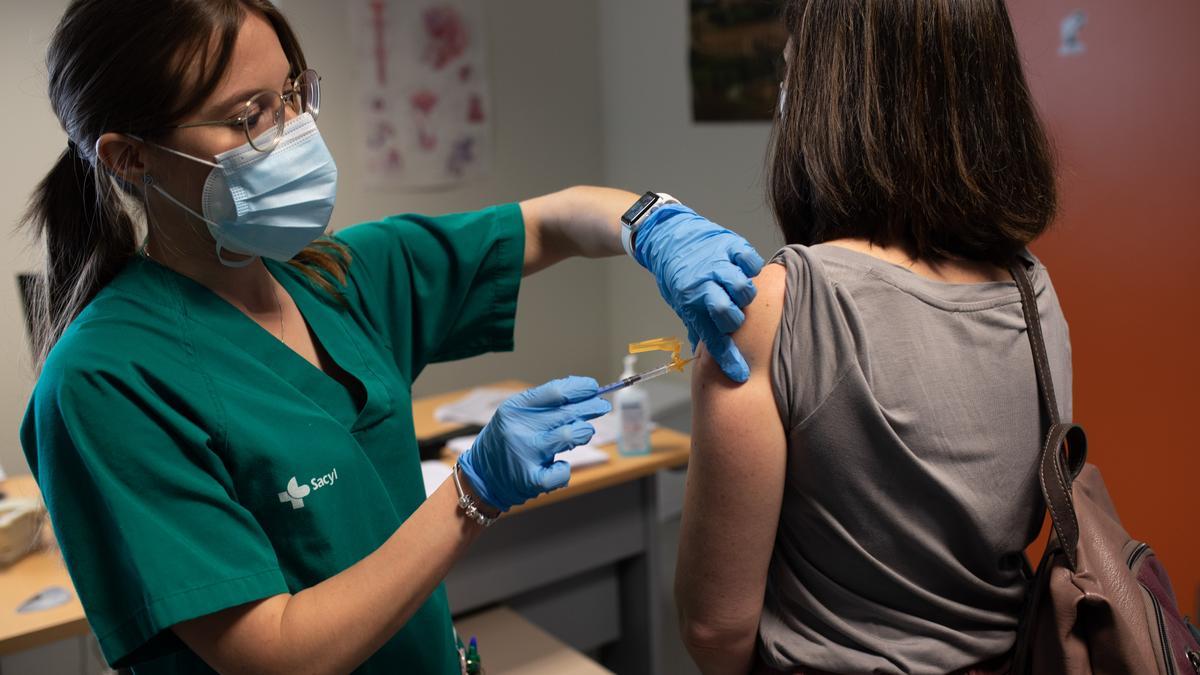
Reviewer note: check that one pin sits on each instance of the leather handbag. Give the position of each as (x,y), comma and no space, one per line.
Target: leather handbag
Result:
(1100,601)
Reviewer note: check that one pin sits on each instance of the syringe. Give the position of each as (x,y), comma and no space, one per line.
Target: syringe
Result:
(642,377)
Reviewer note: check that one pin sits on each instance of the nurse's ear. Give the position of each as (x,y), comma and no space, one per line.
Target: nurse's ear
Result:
(123,156)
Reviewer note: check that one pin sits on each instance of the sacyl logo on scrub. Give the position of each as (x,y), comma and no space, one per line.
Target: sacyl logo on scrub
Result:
(296,492)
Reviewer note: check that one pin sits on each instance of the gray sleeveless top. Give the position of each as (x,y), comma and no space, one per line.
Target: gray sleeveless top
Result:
(913,431)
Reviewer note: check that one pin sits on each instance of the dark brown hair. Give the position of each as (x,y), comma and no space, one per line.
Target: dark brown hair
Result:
(909,123)
(130,66)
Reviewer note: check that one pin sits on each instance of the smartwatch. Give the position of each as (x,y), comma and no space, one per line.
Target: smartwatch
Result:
(638,213)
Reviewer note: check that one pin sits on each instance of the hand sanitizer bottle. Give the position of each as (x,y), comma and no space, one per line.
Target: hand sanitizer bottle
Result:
(633,415)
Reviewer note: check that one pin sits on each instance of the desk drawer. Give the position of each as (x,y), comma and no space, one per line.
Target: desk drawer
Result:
(542,547)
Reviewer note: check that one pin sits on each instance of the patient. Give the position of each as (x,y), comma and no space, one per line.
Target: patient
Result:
(862,503)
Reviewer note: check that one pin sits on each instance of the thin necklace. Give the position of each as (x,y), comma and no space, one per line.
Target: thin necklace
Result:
(279,307)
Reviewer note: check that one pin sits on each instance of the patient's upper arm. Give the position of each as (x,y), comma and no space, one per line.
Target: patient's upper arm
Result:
(755,339)
(735,477)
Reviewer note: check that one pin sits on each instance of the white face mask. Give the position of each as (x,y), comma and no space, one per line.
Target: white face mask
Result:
(269,204)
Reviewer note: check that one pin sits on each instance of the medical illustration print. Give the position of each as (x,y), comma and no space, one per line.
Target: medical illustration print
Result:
(423,92)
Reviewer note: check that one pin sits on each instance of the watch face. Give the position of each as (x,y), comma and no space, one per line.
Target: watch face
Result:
(639,208)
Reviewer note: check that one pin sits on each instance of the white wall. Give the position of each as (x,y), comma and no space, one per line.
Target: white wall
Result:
(651,144)
(544,65)
(32,142)
(581,94)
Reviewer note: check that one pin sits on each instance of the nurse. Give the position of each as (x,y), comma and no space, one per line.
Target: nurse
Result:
(222,423)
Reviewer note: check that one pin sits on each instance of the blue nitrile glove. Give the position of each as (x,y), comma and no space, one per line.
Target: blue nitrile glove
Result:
(704,273)
(512,460)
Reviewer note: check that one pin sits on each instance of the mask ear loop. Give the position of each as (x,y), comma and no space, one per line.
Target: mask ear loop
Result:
(236,264)
(175,152)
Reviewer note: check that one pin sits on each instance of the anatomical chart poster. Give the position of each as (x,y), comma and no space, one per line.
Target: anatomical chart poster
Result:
(424,106)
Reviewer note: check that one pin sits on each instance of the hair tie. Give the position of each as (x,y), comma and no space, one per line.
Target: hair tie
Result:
(74,150)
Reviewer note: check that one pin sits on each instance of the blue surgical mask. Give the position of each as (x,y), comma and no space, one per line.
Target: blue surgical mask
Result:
(269,204)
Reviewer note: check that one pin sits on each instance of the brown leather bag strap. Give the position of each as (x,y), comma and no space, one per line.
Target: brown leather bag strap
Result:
(1063,456)
(1033,324)
(1065,450)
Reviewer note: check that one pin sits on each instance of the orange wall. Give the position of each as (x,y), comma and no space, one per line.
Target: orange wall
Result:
(1125,251)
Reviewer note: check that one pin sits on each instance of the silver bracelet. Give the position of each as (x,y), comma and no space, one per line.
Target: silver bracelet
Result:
(467,504)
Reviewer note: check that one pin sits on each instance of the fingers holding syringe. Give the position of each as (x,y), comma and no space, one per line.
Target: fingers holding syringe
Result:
(553,475)
(567,437)
(554,418)
(558,393)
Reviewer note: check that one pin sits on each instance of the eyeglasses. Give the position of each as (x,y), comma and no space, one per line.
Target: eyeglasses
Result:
(263,117)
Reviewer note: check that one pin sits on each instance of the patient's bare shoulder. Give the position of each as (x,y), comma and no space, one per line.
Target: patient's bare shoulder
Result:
(756,338)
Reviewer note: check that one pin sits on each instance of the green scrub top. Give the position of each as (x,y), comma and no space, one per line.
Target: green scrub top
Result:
(192,462)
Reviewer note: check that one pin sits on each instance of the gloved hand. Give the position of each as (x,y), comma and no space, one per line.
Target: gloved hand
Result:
(512,460)
(704,273)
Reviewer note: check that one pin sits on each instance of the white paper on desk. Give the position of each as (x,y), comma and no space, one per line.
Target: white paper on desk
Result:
(435,472)
(608,428)
(477,407)
(583,456)
(461,444)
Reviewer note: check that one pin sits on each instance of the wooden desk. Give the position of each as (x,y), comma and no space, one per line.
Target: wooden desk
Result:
(670,449)
(609,520)
(26,577)
(582,562)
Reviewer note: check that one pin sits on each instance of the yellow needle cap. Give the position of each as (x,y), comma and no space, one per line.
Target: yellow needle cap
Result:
(664,344)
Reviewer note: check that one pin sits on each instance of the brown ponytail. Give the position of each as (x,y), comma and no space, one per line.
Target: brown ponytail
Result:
(88,238)
(120,66)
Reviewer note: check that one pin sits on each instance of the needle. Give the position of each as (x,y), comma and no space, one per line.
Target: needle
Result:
(641,377)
